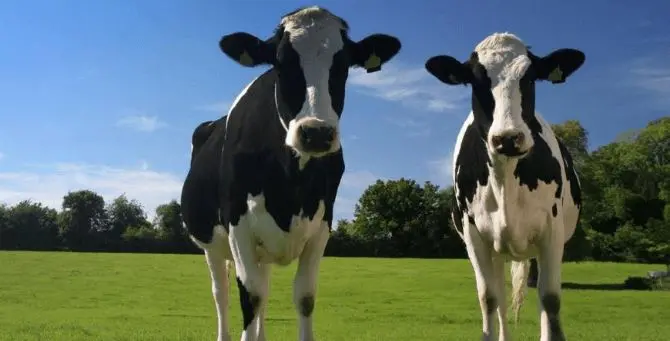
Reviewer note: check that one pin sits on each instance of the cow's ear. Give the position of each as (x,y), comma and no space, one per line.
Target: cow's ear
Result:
(557,66)
(449,70)
(374,50)
(247,49)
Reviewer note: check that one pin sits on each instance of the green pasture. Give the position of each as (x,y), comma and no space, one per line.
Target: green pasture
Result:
(54,296)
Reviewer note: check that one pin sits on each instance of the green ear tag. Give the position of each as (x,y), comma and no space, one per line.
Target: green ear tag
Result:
(373,63)
(556,75)
(245,59)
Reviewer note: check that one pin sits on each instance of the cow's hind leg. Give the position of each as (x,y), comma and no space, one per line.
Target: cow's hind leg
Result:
(549,287)
(305,282)
(219,275)
(481,259)
(215,254)
(249,277)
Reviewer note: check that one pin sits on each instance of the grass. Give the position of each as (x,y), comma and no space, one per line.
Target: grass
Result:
(116,297)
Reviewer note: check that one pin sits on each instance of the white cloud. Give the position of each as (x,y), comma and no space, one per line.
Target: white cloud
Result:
(219,107)
(652,74)
(141,122)
(343,209)
(411,86)
(49,183)
(358,180)
(441,170)
(411,126)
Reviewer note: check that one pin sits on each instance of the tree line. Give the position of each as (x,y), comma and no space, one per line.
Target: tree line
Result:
(625,215)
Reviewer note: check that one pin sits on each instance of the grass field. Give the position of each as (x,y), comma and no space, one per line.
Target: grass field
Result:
(115,297)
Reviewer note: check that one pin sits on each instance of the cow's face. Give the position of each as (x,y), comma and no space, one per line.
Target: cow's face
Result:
(311,54)
(502,73)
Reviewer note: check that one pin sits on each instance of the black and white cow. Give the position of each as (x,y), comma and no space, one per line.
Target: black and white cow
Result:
(261,189)
(518,194)
(201,133)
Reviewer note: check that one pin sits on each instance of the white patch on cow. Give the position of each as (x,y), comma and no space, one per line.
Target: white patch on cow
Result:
(316,36)
(238,98)
(274,244)
(457,147)
(504,56)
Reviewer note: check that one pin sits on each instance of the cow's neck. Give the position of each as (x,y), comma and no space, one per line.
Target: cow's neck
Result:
(504,186)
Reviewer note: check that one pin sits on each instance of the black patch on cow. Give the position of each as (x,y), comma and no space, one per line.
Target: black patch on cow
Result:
(457,219)
(491,304)
(337,79)
(483,103)
(571,173)
(307,305)
(290,78)
(471,166)
(250,158)
(539,165)
(552,305)
(249,304)
(554,210)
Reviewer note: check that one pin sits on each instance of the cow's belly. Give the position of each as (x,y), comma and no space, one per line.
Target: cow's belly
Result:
(274,245)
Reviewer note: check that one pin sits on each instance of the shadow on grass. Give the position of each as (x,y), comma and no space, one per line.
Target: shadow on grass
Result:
(596,286)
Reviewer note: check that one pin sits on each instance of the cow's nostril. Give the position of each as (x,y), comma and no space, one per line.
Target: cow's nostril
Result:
(496,140)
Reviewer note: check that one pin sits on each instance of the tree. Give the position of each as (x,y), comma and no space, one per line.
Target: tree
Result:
(575,138)
(82,218)
(405,219)
(6,241)
(124,213)
(28,226)
(168,221)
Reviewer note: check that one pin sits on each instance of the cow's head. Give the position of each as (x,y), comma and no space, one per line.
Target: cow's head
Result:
(502,73)
(311,53)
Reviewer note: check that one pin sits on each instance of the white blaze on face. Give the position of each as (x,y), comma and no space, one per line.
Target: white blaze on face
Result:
(504,56)
(316,36)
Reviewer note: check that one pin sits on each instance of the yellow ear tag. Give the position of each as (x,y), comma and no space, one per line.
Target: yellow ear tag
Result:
(245,59)
(556,75)
(373,63)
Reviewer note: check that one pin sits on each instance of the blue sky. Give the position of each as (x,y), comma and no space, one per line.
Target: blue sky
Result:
(105,94)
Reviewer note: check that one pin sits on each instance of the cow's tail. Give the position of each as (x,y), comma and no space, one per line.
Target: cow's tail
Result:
(520,270)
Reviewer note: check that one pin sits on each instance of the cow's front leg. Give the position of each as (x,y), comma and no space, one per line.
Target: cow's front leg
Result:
(249,277)
(481,260)
(305,282)
(549,287)
(265,270)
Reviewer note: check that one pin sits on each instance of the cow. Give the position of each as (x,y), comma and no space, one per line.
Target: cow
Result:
(517,191)
(200,135)
(261,189)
